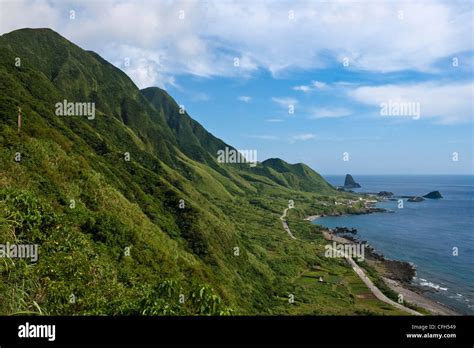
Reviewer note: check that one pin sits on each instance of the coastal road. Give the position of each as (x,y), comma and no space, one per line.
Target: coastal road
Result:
(359,271)
(377,293)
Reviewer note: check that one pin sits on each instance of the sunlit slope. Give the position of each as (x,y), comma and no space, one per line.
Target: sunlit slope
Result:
(131,210)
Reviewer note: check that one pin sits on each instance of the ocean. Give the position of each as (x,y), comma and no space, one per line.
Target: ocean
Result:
(423,233)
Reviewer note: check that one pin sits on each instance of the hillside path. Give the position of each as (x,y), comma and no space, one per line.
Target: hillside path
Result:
(285,224)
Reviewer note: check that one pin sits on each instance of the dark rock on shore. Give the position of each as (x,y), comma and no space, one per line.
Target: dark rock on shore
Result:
(342,189)
(397,270)
(385,194)
(370,210)
(416,199)
(433,195)
(350,182)
(362,211)
(339,230)
(400,270)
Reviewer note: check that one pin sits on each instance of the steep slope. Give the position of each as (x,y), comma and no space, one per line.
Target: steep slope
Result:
(202,146)
(195,141)
(129,208)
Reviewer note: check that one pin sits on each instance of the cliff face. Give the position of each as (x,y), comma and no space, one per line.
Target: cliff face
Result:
(350,182)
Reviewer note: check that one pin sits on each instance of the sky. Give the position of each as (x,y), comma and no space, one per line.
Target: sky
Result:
(360,87)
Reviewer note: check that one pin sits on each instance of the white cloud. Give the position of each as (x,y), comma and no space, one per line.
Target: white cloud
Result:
(302,137)
(314,85)
(274,120)
(445,103)
(302,88)
(329,112)
(285,101)
(146,73)
(318,84)
(16,14)
(345,84)
(146,32)
(245,98)
(369,33)
(207,40)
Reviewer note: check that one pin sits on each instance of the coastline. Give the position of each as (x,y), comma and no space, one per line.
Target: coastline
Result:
(312,218)
(396,275)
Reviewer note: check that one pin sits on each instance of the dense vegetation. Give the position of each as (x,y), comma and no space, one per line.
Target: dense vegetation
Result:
(133,214)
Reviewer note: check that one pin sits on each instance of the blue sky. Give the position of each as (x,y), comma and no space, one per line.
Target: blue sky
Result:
(375,144)
(334,63)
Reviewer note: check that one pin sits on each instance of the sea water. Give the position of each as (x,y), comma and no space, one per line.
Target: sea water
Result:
(437,236)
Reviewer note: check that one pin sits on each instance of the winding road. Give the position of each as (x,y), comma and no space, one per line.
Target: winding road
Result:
(285,224)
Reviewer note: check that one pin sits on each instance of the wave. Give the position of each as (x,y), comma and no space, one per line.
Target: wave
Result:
(434,286)
(424,282)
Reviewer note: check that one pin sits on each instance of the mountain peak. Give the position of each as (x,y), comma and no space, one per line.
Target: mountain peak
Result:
(31,34)
(32,31)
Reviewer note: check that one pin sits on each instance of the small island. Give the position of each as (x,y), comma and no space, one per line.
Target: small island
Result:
(415,199)
(433,195)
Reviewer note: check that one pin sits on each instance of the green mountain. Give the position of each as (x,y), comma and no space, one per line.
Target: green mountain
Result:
(131,211)
(298,176)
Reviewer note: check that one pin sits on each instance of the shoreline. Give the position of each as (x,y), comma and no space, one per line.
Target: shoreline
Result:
(366,210)
(397,275)
(312,218)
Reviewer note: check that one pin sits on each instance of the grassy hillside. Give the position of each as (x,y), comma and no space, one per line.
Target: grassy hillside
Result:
(132,212)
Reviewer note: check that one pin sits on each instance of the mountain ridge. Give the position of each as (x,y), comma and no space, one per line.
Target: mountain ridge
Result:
(131,209)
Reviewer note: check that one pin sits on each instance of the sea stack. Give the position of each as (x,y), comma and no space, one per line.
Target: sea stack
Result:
(350,183)
(433,195)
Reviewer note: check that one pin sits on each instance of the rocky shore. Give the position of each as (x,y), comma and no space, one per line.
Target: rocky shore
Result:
(397,270)
(397,275)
